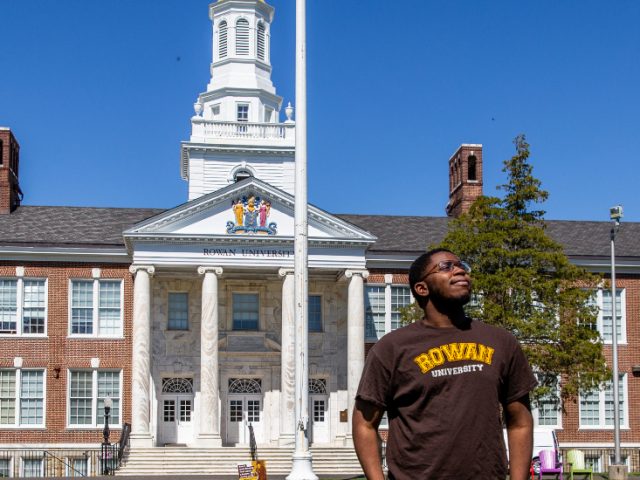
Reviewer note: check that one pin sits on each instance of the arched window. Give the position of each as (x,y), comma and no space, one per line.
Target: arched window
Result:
(241,174)
(177,385)
(222,39)
(242,37)
(317,385)
(472,173)
(245,385)
(260,41)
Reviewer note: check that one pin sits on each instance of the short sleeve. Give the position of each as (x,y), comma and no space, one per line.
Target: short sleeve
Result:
(375,379)
(519,378)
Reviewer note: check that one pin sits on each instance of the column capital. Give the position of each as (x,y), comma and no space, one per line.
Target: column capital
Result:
(150,269)
(283,272)
(351,273)
(215,270)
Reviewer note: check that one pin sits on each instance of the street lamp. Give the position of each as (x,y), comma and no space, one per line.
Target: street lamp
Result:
(108,403)
(615,216)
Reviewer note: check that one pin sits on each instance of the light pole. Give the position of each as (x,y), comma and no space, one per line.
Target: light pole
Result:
(615,216)
(301,468)
(106,454)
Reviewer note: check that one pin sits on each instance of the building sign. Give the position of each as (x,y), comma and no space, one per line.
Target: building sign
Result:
(250,214)
(247,252)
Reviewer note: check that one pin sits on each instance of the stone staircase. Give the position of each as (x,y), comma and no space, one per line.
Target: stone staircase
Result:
(327,461)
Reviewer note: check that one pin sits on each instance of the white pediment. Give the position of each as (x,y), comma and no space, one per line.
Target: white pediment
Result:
(248,211)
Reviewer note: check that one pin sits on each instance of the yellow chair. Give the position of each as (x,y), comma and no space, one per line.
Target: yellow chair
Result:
(575,459)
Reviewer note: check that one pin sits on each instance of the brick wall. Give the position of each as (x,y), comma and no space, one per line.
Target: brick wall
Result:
(628,356)
(59,351)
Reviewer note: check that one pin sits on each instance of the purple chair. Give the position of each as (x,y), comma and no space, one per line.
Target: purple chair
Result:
(549,464)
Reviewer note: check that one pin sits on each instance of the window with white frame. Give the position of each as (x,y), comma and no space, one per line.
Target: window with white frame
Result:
(32,467)
(546,411)
(604,322)
(242,116)
(246,311)
(268,114)
(23,306)
(5,467)
(242,37)
(242,112)
(374,312)
(596,407)
(315,313)
(178,315)
(260,41)
(87,392)
(77,467)
(222,39)
(606,312)
(96,308)
(22,397)
(593,461)
(382,308)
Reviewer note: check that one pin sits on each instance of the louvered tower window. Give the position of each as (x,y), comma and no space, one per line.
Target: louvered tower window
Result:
(222,39)
(260,41)
(242,37)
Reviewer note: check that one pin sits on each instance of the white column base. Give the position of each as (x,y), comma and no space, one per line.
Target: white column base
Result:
(301,468)
(141,440)
(210,440)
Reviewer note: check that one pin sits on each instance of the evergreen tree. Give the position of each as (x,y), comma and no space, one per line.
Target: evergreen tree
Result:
(524,282)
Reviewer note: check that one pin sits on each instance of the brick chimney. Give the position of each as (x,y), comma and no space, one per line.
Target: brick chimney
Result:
(10,193)
(465,178)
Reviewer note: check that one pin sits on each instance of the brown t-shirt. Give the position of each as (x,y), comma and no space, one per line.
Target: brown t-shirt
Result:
(442,388)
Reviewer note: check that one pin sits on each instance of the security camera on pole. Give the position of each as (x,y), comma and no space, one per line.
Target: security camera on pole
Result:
(617,471)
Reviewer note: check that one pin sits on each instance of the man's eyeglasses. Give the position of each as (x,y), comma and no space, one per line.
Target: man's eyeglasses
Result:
(448,266)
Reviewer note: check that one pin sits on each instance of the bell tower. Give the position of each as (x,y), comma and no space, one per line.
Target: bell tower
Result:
(465,178)
(236,131)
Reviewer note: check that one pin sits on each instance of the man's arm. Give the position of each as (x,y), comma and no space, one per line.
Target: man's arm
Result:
(520,437)
(365,421)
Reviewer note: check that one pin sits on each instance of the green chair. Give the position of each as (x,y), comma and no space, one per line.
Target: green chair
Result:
(575,459)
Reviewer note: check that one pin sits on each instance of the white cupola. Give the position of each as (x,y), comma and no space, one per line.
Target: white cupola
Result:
(240,88)
(236,131)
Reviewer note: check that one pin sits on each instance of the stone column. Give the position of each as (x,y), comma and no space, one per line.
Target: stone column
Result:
(209,434)
(355,335)
(287,360)
(141,358)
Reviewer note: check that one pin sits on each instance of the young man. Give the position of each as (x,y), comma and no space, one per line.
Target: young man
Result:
(442,381)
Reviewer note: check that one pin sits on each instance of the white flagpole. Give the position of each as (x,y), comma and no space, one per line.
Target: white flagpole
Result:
(301,466)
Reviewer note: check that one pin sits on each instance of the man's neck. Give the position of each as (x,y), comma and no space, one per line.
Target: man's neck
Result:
(442,318)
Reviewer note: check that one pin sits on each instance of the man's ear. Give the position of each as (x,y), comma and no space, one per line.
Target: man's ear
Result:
(421,289)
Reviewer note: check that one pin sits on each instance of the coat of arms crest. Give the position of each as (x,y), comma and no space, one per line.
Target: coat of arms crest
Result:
(251,213)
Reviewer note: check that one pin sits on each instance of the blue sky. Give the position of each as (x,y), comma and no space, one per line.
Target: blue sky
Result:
(100,95)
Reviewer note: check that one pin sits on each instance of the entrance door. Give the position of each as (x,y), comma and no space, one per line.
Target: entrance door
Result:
(319,413)
(175,411)
(244,411)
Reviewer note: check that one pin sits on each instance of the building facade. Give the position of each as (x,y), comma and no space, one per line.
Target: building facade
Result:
(184,317)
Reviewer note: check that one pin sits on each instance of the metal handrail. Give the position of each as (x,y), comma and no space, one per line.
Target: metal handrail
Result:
(123,443)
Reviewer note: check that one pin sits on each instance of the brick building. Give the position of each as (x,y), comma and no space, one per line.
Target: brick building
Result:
(184,317)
